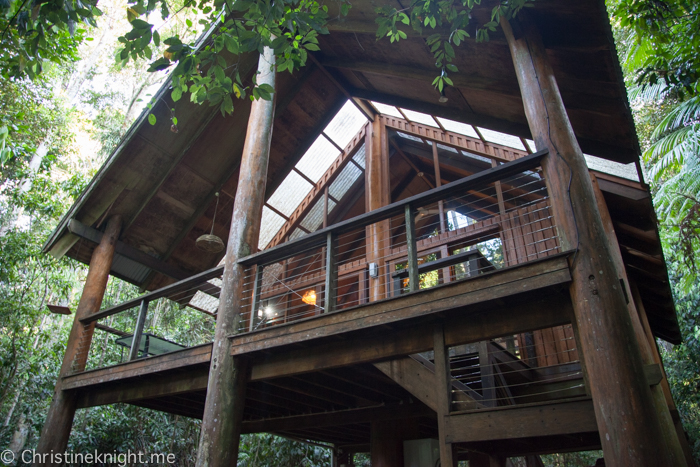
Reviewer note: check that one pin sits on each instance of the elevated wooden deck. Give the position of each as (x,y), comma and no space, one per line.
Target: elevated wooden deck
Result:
(327,377)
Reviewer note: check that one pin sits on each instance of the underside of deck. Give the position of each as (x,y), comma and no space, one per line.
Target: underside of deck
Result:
(327,378)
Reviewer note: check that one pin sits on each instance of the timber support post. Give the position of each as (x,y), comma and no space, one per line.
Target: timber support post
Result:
(377,196)
(629,427)
(57,427)
(443,393)
(223,410)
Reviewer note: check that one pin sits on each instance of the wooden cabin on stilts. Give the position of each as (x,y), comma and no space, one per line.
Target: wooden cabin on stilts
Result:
(472,276)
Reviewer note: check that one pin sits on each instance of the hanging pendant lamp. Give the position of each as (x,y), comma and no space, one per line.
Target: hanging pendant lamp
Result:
(210,242)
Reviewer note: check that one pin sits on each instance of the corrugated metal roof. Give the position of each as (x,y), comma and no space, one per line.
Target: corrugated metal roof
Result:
(345,179)
(345,125)
(130,269)
(205,301)
(360,156)
(411,137)
(442,147)
(269,225)
(296,234)
(314,163)
(387,109)
(502,138)
(477,157)
(314,218)
(290,193)
(419,117)
(458,127)
(628,171)
(317,159)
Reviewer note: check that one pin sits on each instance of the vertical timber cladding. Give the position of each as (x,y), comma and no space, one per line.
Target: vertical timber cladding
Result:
(628,424)
(56,430)
(377,196)
(223,410)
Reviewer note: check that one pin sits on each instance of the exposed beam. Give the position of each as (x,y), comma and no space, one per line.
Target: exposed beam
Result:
(460,80)
(441,110)
(419,381)
(364,109)
(460,329)
(460,142)
(338,418)
(497,322)
(195,379)
(195,217)
(558,418)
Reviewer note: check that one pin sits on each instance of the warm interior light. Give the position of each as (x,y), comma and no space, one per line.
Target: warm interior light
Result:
(269,311)
(309,297)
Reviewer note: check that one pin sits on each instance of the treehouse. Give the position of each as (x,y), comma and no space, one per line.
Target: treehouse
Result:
(467,275)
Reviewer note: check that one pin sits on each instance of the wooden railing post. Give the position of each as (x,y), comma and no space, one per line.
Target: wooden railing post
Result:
(257,288)
(331,292)
(412,249)
(138,331)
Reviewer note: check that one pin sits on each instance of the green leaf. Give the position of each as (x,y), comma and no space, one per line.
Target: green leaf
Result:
(219,73)
(141,24)
(156,38)
(176,95)
(231,44)
(151,119)
(160,64)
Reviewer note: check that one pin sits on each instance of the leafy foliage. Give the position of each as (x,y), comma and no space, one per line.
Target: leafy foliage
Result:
(682,362)
(28,112)
(33,32)
(665,41)
(451,22)
(264,449)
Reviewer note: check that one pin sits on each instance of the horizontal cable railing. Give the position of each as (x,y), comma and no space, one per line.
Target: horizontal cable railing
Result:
(537,366)
(496,218)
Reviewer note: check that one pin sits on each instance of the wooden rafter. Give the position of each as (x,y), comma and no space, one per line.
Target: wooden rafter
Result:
(455,140)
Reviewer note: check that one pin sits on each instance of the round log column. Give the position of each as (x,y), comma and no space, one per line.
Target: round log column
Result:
(223,410)
(628,424)
(56,430)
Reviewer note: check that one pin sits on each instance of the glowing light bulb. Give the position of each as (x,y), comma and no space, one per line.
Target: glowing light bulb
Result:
(309,297)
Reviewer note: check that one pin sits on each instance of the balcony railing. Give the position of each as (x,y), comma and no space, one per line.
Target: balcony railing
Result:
(494,219)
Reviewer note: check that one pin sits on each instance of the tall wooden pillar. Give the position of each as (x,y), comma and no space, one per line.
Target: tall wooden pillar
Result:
(56,430)
(660,403)
(223,410)
(628,424)
(443,394)
(377,195)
